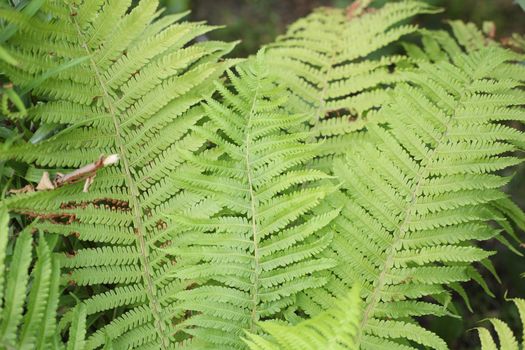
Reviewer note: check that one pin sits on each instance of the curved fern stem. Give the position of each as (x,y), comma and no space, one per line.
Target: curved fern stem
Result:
(253,206)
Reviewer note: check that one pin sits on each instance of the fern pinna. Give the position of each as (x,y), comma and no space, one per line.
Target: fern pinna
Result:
(135,93)
(332,63)
(418,196)
(507,340)
(253,244)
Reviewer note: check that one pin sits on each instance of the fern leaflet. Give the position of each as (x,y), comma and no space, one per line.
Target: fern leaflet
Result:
(507,339)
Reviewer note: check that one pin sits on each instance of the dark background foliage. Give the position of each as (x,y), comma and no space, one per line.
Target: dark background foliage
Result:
(256,22)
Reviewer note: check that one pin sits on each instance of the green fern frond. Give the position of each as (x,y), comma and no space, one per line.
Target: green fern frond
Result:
(253,244)
(27,315)
(329,61)
(77,332)
(333,329)
(135,93)
(507,340)
(418,196)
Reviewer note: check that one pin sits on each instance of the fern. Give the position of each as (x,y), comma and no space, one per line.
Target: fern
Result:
(332,62)
(28,316)
(194,213)
(252,245)
(418,196)
(333,329)
(135,94)
(507,340)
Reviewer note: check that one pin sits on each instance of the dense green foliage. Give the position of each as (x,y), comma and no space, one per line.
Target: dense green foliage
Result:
(324,193)
(29,321)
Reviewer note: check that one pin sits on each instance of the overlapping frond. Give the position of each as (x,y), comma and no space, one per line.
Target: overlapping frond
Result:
(419,195)
(252,245)
(332,63)
(507,340)
(134,93)
(333,329)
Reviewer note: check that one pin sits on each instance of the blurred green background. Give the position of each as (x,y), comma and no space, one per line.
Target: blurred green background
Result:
(257,22)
